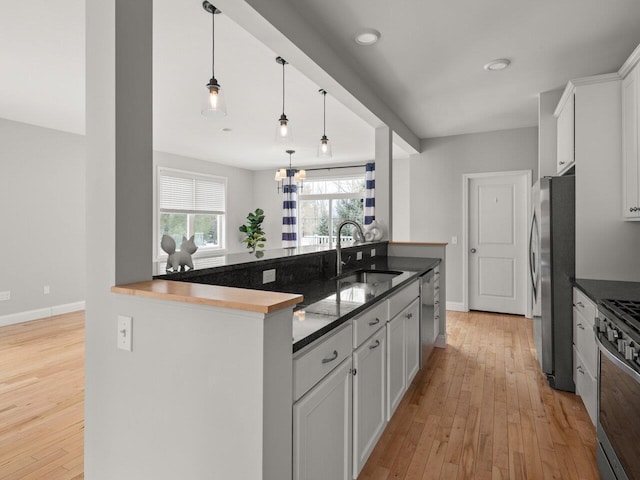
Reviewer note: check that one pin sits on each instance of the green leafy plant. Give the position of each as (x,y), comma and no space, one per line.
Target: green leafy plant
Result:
(253,230)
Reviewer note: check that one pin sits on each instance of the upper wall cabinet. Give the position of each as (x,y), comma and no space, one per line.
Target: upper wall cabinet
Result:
(565,113)
(630,150)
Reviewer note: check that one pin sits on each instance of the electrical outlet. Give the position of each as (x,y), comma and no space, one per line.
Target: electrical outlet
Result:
(5,296)
(46,290)
(454,240)
(269,276)
(125,332)
(358,255)
(373,252)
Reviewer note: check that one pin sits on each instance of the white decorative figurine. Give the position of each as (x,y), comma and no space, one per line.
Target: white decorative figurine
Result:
(178,260)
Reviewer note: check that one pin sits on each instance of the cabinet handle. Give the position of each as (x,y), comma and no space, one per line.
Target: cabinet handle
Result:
(580,326)
(562,162)
(580,369)
(332,358)
(437,302)
(353,371)
(375,322)
(377,344)
(579,304)
(409,315)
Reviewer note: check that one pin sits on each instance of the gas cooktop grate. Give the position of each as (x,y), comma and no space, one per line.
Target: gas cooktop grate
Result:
(626,310)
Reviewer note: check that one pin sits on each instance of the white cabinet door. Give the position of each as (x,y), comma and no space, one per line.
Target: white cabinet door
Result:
(412,340)
(631,158)
(566,136)
(322,429)
(586,387)
(396,364)
(369,384)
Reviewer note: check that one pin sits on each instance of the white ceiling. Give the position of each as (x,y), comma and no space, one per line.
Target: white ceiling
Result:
(427,68)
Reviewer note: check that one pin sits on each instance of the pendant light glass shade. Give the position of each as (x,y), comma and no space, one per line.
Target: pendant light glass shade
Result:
(213,104)
(283,129)
(324,148)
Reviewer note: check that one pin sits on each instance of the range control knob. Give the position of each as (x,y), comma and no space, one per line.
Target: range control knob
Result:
(630,353)
(622,345)
(612,335)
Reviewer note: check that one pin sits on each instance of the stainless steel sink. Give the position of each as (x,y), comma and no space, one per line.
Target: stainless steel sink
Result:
(371,277)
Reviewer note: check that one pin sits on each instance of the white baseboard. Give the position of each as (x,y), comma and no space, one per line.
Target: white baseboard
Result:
(40,313)
(441,341)
(456,306)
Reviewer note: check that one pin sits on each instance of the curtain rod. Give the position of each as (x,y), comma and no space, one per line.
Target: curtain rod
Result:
(334,168)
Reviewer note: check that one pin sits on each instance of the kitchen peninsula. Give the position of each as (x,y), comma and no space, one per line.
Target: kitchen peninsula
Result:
(221,356)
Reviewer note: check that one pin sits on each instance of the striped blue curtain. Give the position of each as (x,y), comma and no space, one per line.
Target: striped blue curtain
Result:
(370,193)
(290,211)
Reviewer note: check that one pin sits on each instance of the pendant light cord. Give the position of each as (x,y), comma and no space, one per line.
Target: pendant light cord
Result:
(283,63)
(213,42)
(324,114)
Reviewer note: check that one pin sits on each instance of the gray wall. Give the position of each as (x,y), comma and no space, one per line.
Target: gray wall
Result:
(436,185)
(42,238)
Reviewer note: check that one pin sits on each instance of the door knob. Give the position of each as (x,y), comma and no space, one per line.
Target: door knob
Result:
(473,250)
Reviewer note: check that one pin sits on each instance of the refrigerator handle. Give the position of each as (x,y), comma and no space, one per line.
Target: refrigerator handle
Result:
(532,261)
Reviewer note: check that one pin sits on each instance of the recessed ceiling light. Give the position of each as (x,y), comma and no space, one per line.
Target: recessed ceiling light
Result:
(368,36)
(496,65)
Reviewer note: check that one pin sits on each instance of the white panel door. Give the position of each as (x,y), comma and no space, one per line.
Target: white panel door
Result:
(497,243)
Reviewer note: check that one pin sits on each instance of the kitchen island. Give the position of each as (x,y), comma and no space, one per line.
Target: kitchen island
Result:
(222,367)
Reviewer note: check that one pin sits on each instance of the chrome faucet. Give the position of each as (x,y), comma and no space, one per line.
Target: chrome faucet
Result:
(357,238)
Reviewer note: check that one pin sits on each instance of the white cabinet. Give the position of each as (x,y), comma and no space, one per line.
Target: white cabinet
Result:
(322,429)
(565,113)
(412,340)
(585,351)
(630,150)
(396,364)
(369,384)
(403,344)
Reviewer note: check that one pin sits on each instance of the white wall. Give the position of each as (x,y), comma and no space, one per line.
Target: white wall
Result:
(240,196)
(42,214)
(400,214)
(267,197)
(436,185)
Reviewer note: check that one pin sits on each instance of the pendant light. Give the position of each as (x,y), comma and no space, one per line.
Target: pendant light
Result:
(324,149)
(298,176)
(283,130)
(213,104)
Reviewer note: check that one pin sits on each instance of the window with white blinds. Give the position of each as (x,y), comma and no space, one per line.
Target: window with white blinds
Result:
(182,192)
(191,204)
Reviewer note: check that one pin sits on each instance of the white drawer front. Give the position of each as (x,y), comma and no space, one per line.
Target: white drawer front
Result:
(369,322)
(585,341)
(586,387)
(314,363)
(404,297)
(584,305)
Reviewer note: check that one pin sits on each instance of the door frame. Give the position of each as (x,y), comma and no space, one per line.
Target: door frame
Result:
(466,182)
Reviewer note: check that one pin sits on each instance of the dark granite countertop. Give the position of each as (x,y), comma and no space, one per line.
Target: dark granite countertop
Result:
(328,304)
(598,290)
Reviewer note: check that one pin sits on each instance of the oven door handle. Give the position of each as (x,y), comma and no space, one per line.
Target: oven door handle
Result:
(617,362)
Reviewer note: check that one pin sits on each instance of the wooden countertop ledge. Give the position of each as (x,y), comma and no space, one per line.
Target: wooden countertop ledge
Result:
(212,295)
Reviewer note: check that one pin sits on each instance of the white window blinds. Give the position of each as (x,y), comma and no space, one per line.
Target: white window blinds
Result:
(183,192)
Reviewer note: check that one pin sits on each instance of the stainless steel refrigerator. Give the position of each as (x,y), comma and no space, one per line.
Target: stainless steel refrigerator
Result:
(552,234)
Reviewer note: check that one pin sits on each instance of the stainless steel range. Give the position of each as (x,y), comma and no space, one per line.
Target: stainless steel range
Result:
(618,333)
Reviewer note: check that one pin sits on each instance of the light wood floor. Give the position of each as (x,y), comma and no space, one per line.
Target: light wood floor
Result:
(480,409)
(42,399)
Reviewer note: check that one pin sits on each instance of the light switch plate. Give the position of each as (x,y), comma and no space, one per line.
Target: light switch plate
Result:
(5,295)
(125,332)
(454,240)
(46,290)
(269,276)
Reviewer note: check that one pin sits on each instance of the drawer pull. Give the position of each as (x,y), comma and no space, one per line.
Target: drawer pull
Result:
(409,315)
(375,322)
(580,369)
(580,304)
(332,358)
(375,345)
(580,326)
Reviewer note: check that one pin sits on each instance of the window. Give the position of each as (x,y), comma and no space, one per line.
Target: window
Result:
(324,203)
(191,204)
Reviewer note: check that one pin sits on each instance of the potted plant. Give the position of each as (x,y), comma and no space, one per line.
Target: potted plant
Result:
(253,230)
